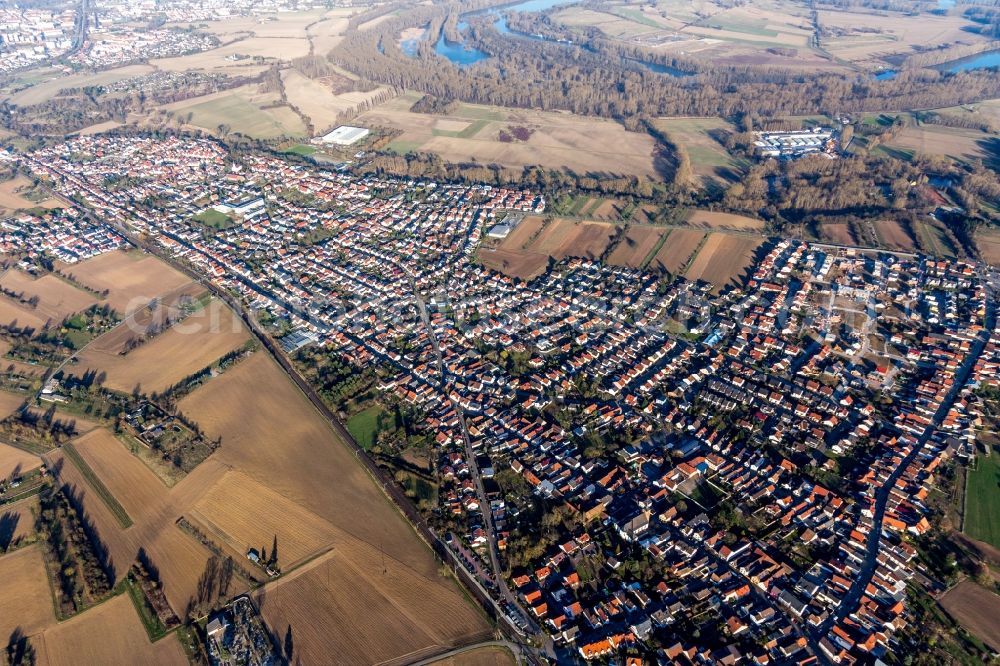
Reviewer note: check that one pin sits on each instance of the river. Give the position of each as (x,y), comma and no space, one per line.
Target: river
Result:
(464,55)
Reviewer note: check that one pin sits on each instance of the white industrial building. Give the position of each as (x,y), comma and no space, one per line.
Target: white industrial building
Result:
(795,144)
(344,135)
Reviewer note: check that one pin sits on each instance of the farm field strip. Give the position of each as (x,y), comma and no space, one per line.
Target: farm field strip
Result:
(977,609)
(131,278)
(183,349)
(25,596)
(56,298)
(13,459)
(722,258)
(117,510)
(109,633)
(982,500)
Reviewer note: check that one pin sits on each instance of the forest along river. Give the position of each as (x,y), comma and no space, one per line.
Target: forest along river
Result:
(464,55)
(977,61)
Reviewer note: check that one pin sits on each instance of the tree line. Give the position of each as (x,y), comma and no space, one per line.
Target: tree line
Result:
(537,74)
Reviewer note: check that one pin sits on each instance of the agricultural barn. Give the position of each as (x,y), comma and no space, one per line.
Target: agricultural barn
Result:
(345,135)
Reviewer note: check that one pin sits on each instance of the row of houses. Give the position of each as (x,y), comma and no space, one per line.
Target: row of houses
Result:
(701,478)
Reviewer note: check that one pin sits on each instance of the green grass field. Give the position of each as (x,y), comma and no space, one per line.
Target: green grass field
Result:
(637,16)
(466,133)
(213,218)
(98,486)
(403,147)
(301,149)
(697,136)
(478,113)
(756,28)
(364,426)
(982,500)
(241,116)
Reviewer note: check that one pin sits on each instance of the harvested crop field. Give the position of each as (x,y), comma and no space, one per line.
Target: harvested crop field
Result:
(484,656)
(836,232)
(47,89)
(243,110)
(15,460)
(723,259)
(109,633)
(404,614)
(714,220)
(17,521)
(988,242)
(677,250)
(273,435)
(636,245)
(10,403)
(179,558)
(11,195)
(525,252)
(181,350)
(959,144)
(57,299)
(320,102)
(25,596)
(252,515)
(20,315)
(131,483)
(977,609)
(219,59)
(524,234)
(131,278)
(558,140)
(565,238)
(523,265)
(894,235)
(862,35)
(169,306)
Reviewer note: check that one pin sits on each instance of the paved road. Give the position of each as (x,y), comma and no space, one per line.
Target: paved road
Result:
(80,35)
(470,454)
(513,647)
(850,601)
(387,484)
